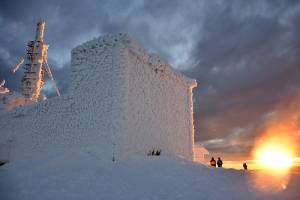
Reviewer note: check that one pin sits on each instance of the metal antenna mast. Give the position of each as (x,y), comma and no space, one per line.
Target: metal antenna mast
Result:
(36,66)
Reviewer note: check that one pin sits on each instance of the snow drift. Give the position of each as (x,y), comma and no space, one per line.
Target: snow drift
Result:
(79,175)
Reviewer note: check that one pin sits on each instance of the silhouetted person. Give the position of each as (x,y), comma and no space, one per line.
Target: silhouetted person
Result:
(219,162)
(157,152)
(153,152)
(213,162)
(245,166)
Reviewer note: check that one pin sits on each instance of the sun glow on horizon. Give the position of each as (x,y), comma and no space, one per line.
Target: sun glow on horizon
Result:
(274,154)
(274,157)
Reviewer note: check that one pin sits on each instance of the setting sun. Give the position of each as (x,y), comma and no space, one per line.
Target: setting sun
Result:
(274,153)
(274,157)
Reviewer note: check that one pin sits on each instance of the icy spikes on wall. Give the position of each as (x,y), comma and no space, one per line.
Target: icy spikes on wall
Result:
(36,66)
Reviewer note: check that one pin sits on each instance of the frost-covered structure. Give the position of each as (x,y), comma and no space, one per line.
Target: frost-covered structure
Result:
(9,99)
(3,90)
(122,102)
(34,76)
(199,153)
(36,66)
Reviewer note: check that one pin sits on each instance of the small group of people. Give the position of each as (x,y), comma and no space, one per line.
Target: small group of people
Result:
(154,152)
(215,163)
(219,163)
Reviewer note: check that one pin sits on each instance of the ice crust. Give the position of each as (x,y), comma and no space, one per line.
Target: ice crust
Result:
(81,176)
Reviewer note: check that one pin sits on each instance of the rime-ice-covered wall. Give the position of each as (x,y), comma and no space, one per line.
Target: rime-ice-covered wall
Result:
(158,108)
(121,102)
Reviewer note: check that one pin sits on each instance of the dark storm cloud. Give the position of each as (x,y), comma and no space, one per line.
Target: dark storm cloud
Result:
(247,64)
(244,54)
(70,23)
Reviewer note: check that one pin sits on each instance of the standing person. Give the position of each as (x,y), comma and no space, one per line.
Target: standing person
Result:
(213,162)
(245,166)
(219,162)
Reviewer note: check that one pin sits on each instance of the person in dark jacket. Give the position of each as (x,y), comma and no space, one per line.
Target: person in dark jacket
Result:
(245,166)
(219,162)
(213,162)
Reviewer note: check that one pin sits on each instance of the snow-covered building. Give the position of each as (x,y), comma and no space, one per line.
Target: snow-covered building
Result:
(199,153)
(122,102)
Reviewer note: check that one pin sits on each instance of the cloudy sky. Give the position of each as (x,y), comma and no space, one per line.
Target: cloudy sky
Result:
(245,55)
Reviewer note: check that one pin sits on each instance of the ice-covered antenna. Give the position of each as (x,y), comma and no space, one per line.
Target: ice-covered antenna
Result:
(40,29)
(21,61)
(36,66)
(48,70)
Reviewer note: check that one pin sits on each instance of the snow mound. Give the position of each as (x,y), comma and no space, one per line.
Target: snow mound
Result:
(79,175)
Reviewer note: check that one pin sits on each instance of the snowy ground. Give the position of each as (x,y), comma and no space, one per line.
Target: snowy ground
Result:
(85,176)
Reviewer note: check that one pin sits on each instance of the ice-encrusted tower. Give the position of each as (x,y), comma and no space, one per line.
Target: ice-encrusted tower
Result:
(36,66)
(33,79)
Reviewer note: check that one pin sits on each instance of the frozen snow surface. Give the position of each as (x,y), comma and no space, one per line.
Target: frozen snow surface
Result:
(79,175)
(11,100)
